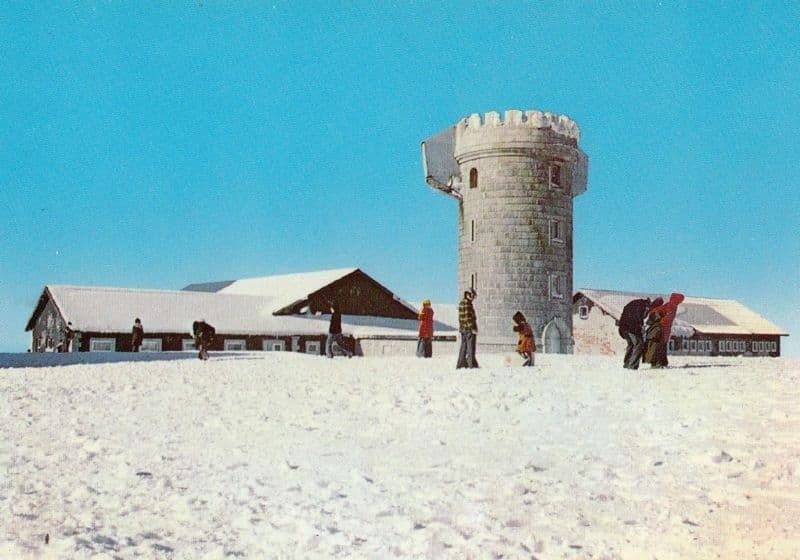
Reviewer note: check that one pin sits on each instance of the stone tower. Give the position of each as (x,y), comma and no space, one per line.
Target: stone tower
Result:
(514,179)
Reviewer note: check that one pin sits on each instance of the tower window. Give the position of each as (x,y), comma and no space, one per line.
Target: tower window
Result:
(473,281)
(473,178)
(556,286)
(556,231)
(555,176)
(472,231)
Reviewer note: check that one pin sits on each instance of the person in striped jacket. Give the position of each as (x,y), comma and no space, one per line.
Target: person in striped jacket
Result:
(468,327)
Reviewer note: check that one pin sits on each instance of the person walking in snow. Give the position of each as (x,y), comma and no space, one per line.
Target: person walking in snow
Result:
(203,335)
(137,335)
(663,315)
(468,327)
(425,342)
(335,333)
(631,328)
(526,346)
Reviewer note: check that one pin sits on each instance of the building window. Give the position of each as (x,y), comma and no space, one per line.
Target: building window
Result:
(556,286)
(235,345)
(685,345)
(312,347)
(709,346)
(102,345)
(773,346)
(473,178)
(556,231)
(187,344)
(583,311)
(693,346)
(472,230)
(671,345)
(554,175)
(473,281)
(151,345)
(272,345)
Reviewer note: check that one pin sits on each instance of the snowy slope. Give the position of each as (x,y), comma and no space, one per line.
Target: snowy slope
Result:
(284,455)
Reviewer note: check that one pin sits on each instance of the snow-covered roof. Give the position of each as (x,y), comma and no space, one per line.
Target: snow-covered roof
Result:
(292,292)
(287,288)
(364,327)
(107,310)
(706,315)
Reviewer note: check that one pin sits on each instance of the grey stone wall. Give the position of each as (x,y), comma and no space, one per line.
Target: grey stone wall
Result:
(506,223)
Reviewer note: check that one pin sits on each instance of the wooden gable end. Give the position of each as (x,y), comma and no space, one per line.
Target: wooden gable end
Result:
(356,294)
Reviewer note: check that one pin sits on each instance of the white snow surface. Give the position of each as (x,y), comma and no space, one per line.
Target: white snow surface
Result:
(285,455)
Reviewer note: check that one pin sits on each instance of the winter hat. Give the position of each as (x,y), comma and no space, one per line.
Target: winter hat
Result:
(426,302)
(518,317)
(676,298)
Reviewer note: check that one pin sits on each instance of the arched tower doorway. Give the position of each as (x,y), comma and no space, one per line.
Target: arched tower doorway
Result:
(551,336)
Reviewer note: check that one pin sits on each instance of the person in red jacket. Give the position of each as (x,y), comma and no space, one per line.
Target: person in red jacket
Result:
(425,343)
(659,321)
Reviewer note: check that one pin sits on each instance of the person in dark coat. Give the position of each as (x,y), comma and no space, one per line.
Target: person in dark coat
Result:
(69,334)
(425,342)
(631,328)
(137,335)
(468,327)
(203,335)
(335,333)
(526,346)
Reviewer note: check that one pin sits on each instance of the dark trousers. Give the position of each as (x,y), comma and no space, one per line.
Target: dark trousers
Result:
(202,345)
(466,352)
(635,348)
(338,340)
(424,348)
(661,355)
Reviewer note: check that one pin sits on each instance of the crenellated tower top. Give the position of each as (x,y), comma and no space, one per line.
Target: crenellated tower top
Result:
(532,119)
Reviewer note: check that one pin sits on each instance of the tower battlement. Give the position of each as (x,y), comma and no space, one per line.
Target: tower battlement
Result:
(531,119)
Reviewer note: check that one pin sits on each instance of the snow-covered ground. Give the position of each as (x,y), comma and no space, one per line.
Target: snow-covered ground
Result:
(283,455)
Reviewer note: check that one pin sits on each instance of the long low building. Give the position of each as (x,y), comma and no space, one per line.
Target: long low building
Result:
(702,327)
(274,313)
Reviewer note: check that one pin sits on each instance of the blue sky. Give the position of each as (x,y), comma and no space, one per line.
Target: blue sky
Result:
(151,144)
